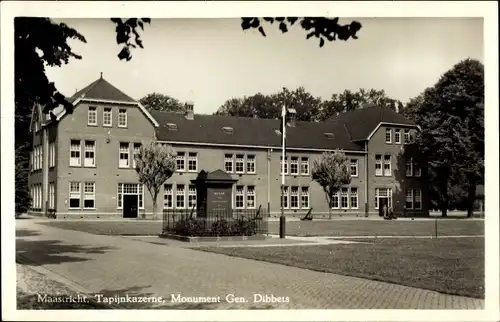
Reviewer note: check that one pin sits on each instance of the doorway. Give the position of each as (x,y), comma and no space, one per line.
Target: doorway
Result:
(382,201)
(130,206)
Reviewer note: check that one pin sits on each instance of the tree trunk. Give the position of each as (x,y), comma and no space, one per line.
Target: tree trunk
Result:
(444,195)
(154,208)
(471,194)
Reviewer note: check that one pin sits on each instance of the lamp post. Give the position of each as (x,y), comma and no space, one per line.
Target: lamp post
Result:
(283,160)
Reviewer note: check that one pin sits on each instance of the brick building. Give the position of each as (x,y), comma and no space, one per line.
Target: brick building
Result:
(82,163)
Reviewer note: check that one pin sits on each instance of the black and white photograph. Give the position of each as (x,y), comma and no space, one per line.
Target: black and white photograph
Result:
(250,161)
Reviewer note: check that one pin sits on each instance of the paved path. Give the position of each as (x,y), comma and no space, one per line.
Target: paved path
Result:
(113,266)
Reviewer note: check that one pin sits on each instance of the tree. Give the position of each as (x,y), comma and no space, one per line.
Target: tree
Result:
(22,195)
(349,101)
(161,102)
(155,164)
(331,171)
(451,115)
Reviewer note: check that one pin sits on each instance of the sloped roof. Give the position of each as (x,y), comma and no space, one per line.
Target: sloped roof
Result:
(362,122)
(208,129)
(101,90)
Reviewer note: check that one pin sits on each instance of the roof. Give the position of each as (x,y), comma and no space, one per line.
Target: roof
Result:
(256,132)
(103,90)
(363,122)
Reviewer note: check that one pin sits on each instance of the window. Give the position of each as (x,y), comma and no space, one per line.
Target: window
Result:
(383,193)
(137,149)
(124,155)
(409,167)
(192,161)
(89,160)
(92,116)
(354,167)
(251,197)
(52,195)
(294,165)
(407,136)
(378,165)
(192,196)
(130,189)
(417,198)
(304,166)
(294,198)
(89,195)
(41,157)
(180,160)
(239,197)
(240,163)
(397,136)
(387,165)
(285,164)
(284,202)
(354,198)
(122,118)
(180,197)
(107,117)
(52,154)
(335,201)
(74,154)
(417,171)
(35,158)
(409,199)
(304,198)
(168,197)
(344,198)
(228,163)
(250,163)
(388,135)
(140,192)
(74,195)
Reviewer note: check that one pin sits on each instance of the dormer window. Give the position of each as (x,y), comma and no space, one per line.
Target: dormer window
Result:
(278,132)
(172,126)
(328,135)
(228,129)
(122,118)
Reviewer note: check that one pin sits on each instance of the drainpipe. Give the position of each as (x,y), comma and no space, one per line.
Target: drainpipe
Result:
(366,178)
(269,154)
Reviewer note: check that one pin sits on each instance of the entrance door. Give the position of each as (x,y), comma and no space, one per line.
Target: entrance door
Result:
(130,205)
(381,202)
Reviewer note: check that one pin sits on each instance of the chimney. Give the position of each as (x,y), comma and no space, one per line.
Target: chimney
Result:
(292,115)
(397,108)
(189,110)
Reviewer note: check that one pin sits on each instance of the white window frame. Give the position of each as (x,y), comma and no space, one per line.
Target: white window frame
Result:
(90,148)
(409,167)
(228,160)
(409,198)
(388,139)
(251,163)
(415,198)
(304,195)
(294,195)
(168,195)
(239,192)
(52,195)
(92,114)
(336,200)
(122,112)
(417,170)
(52,154)
(180,193)
(180,159)
(353,195)
(378,195)
(344,193)
(286,197)
(73,194)
(192,158)
(388,161)
(294,162)
(286,165)
(407,137)
(304,164)
(136,189)
(107,111)
(239,161)
(75,161)
(137,148)
(379,162)
(250,197)
(122,162)
(397,136)
(191,196)
(90,195)
(354,165)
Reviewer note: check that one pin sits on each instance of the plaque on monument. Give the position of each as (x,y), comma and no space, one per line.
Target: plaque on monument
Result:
(214,191)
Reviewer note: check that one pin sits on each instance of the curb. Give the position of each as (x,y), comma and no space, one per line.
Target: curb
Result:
(190,239)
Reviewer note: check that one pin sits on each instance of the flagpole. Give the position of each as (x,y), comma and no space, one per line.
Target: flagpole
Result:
(283,160)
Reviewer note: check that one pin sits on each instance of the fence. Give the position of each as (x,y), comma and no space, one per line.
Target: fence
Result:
(220,222)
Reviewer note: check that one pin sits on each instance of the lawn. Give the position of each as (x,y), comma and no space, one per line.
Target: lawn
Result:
(358,227)
(448,265)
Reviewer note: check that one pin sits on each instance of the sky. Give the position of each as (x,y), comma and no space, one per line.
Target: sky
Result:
(209,61)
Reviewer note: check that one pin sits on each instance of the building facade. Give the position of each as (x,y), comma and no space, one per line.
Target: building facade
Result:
(82,164)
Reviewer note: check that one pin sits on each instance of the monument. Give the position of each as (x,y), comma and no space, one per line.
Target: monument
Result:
(214,193)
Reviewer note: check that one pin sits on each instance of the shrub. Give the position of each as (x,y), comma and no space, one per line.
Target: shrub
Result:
(221,228)
(244,227)
(190,227)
